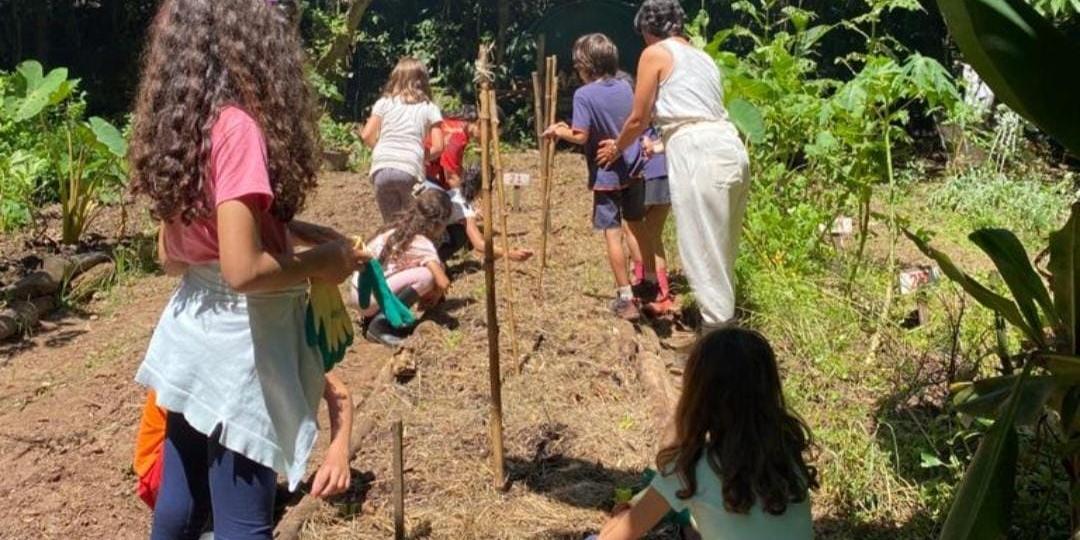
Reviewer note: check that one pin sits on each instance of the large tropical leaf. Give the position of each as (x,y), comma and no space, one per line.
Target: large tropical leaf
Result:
(748,119)
(1064,269)
(989,299)
(984,501)
(39,94)
(1028,63)
(1011,260)
(107,134)
(985,397)
(32,74)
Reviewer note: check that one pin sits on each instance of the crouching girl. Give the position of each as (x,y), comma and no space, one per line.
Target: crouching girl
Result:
(406,250)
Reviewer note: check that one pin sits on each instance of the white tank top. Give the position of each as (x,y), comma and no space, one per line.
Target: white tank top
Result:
(692,92)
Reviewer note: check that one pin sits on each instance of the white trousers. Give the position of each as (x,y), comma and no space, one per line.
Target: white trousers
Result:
(709,173)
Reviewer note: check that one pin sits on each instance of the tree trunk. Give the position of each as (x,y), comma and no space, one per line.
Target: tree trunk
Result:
(500,36)
(342,45)
(41,33)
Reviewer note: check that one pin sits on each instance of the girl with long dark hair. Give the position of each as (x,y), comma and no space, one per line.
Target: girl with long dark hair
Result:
(737,461)
(224,146)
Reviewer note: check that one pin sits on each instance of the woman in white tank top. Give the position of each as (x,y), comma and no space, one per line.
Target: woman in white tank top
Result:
(680,91)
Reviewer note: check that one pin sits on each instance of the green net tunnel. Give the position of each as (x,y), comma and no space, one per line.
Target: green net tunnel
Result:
(562,24)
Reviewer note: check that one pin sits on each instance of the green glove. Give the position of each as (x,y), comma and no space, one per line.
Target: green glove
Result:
(373,280)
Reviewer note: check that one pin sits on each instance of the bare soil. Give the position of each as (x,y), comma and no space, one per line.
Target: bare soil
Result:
(580,421)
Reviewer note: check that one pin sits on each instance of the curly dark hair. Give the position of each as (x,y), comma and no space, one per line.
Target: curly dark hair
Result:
(203,56)
(661,18)
(427,212)
(733,415)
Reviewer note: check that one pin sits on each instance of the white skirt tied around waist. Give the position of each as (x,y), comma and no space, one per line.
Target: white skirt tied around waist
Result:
(239,369)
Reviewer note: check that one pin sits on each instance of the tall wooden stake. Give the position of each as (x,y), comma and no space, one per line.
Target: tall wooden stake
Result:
(501,189)
(547,157)
(483,76)
(399,483)
(538,110)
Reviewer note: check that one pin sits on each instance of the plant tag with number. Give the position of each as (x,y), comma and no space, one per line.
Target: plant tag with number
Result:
(517,179)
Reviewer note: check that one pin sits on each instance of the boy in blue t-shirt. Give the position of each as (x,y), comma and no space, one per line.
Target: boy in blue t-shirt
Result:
(601,107)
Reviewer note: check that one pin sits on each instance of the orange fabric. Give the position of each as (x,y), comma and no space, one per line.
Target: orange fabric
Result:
(149,447)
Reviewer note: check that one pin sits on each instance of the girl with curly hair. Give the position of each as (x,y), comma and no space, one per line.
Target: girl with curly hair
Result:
(737,462)
(679,90)
(414,272)
(223,146)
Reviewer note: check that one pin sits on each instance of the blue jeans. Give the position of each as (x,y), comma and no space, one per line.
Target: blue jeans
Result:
(199,477)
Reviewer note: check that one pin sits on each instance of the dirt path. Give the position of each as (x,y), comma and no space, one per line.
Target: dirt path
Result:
(579,420)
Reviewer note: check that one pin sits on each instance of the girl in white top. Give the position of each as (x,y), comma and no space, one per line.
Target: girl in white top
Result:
(400,121)
(679,90)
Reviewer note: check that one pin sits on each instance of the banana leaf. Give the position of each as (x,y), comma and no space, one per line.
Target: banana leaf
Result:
(984,501)
(989,299)
(1028,63)
(1064,264)
(1011,260)
(985,397)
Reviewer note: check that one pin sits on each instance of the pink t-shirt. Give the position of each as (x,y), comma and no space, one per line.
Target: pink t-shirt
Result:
(237,171)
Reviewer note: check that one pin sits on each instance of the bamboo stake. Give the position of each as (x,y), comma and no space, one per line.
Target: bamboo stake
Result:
(501,189)
(399,483)
(547,159)
(538,110)
(494,372)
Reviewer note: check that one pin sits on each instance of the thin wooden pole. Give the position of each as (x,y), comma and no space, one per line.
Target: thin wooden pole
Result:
(547,157)
(501,189)
(399,483)
(538,110)
(494,372)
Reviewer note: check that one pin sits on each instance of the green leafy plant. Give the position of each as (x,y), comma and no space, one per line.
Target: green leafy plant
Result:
(20,174)
(820,146)
(1020,55)
(86,158)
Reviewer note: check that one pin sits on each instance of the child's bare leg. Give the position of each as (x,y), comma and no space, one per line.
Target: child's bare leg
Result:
(655,220)
(616,257)
(639,235)
(632,244)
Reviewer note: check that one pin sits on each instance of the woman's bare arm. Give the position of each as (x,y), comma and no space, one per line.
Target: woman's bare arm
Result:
(654,61)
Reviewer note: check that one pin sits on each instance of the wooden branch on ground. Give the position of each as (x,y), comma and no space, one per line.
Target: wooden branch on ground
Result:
(54,273)
(23,315)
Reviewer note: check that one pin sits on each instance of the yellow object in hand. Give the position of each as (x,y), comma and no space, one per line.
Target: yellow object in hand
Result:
(328,324)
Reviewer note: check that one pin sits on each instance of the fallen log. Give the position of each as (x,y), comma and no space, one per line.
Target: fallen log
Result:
(84,285)
(22,315)
(55,271)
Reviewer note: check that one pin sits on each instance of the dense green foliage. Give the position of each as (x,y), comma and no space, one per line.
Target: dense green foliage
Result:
(52,153)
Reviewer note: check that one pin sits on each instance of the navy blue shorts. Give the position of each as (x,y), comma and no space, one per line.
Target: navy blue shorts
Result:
(610,208)
(657,191)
